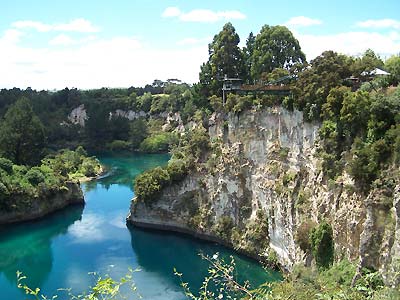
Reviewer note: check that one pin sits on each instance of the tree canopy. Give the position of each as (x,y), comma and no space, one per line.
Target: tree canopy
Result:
(326,71)
(275,47)
(225,58)
(22,136)
(392,65)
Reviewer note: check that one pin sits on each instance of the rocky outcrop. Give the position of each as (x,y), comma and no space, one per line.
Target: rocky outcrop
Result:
(392,266)
(129,114)
(78,115)
(39,207)
(262,185)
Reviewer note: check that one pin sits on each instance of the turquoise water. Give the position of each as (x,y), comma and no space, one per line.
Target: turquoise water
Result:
(60,250)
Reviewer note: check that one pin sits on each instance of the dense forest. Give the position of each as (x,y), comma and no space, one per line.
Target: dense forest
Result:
(359,115)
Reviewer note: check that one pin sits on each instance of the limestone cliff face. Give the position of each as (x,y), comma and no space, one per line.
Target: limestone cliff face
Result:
(78,115)
(71,194)
(262,182)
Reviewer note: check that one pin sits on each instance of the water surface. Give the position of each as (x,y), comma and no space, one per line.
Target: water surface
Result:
(60,250)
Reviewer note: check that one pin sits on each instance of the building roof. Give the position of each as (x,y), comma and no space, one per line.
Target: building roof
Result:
(375,72)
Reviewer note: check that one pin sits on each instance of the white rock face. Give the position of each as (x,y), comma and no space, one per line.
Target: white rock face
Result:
(172,120)
(130,114)
(78,116)
(268,163)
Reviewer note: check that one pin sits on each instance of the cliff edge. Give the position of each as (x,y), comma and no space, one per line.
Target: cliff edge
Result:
(262,188)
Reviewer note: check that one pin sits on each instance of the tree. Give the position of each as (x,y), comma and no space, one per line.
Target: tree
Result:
(247,57)
(225,58)
(321,240)
(119,128)
(354,113)
(392,65)
(138,132)
(22,136)
(97,126)
(367,63)
(334,102)
(275,47)
(312,88)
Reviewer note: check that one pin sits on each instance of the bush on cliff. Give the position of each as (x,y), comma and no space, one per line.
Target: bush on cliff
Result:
(148,184)
(185,156)
(158,142)
(321,240)
(177,169)
(21,185)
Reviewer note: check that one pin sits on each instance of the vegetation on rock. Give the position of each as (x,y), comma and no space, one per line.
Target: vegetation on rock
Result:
(21,186)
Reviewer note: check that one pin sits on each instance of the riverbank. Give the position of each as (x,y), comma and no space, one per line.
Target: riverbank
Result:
(168,226)
(102,171)
(32,192)
(59,250)
(40,207)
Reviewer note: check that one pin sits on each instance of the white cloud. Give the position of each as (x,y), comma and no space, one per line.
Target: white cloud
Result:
(88,229)
(125,61)
(171,12)
(350,43)
(203,15)
(77,25)
(95,63)
(62,40)
(302,21)
(11,36)
(38,26)
(383,23)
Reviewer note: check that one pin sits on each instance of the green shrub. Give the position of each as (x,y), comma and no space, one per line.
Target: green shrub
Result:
(177,170)
(35,176)
(159,142)
(138,132)
(6,165)
(90,167)
(20,186)
(341,273)
(367,159)
(283,153)
(224,227)
(118,145)
(302,237)
(198,141)
(321,241)
(148,184)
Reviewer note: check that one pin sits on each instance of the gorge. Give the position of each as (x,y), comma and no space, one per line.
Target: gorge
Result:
(59,251)
(262,183)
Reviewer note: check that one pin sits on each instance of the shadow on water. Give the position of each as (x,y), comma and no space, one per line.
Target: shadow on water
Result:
(161,252)
(27,246)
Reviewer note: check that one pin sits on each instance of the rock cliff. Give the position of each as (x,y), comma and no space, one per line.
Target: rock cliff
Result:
(262,185)
(71,194)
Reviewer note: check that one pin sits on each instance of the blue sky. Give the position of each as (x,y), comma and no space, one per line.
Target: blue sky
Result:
(49,44)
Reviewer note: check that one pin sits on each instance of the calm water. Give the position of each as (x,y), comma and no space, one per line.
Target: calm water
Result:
(60,250)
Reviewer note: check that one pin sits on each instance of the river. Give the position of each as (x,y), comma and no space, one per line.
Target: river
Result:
(60,250)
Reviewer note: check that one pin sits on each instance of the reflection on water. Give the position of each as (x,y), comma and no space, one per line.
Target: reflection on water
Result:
(60,250)
(161,252)
(88,230)
(27,246)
